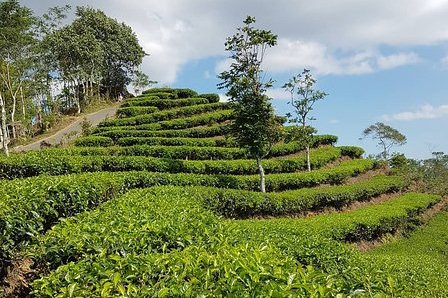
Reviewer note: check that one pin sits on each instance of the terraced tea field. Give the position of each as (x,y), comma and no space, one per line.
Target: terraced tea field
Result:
(160,202)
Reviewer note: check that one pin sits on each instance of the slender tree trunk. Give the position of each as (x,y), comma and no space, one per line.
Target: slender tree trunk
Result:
(23,103)
(13,113)
(308,162)
(5,138)
(262,177)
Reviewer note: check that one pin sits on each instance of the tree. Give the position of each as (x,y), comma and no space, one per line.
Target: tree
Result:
(386,135)
(141,81)
(17,40)
(94,50)
(303,98)
(255,128)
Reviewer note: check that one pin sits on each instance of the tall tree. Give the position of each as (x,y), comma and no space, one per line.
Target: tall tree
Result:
(255,127)
(4,137)
(95,50)
(17,40)
(303,99)
(386,135)
(141,81)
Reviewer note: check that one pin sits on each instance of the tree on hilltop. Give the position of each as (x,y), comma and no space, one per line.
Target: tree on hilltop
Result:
(256,128)
(387,137)
(303,98)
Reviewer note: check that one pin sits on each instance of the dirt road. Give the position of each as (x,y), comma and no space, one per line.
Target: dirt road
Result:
(72,130)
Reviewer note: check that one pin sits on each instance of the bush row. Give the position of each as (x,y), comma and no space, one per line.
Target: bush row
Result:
(243,204)
(94,141)
(197,142)
(196,271)
(167,115)
(203,259)
(142,221)
(366,223)
(179,148)
(29,207)
(135,111)
(195,132)
(163,104)
(188,122)
(173,93)
(37,163)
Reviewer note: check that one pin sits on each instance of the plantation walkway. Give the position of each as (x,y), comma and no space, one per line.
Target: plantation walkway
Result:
(72,131)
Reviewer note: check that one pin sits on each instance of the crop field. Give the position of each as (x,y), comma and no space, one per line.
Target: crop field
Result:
(161,202)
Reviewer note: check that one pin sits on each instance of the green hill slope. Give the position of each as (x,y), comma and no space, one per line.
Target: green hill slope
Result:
(161,202)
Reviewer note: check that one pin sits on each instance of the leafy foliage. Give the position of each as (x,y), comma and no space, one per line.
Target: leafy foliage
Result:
(386,135)
(255,126)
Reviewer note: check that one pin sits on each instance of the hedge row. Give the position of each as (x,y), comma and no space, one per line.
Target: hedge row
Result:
(243,204)
(135,111)
(194,259)
(163,104)
(195,132)
(37,163)
(167,115)
(197,142)
(173,149)
(98,239)
(188,122)
(94,141)
(173,93)
(29,207)
(366,223)
(196,271)
(142,221)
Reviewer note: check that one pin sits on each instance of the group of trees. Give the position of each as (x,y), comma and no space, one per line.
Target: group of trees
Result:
(47,68)
(256,128)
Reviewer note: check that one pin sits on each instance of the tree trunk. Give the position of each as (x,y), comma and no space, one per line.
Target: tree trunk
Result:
(13,113)
(308,162)
(23,103)
(5,138)
(262,177)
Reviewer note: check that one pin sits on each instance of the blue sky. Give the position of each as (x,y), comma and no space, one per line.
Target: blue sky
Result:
(378,60)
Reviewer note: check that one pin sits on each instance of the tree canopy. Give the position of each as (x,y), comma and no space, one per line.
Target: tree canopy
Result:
(303,98)
(91,57)
(256,127)
(386,135)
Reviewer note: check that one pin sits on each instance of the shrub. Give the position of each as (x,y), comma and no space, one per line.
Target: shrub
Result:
(135,111)
(94,141)
(194,132)
(212,97)
(163,104)
(166,115)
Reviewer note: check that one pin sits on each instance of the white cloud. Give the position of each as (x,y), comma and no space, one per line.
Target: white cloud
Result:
(278,93)
(311,34)
(426,111)
(293,55)
(396,60)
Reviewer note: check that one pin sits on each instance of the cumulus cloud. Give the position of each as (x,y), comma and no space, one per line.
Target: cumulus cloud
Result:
(292,55)
(426,111)
(311,34)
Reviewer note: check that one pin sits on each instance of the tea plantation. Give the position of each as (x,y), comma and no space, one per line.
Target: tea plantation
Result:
(159,202)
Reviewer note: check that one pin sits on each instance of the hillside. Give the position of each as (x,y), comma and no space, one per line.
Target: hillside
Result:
(160,202)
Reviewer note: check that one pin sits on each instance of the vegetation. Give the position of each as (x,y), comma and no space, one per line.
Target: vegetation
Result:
(387,137)
(255,126)
(165,199)
(303,98)
(90,58)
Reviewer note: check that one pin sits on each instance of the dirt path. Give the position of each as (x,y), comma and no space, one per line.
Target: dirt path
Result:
(72,130)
